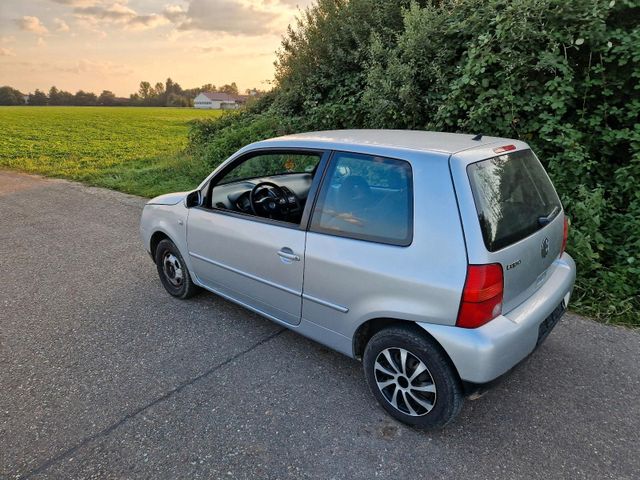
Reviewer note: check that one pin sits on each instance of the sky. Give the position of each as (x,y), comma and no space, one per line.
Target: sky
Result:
(98,45)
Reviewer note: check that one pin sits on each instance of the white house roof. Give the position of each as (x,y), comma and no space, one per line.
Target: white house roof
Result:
(404,139)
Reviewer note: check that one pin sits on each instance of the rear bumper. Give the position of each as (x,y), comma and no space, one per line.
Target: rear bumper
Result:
(483,354)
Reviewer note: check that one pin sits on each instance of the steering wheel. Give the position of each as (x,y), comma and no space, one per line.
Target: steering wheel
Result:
(267,198)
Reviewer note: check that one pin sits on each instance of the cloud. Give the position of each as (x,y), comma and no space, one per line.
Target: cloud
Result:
(294,3)
(199,49)
(32,24)
(41,42)
(78,3)
(120,14)
(143,22)
(61,25)
(226,16)
(6,52)
(84,66)
(116,12)
(246,17)
(174,13)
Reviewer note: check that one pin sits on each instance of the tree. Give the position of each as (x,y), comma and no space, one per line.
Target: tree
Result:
(83,98)
(159,88)
(254,92)
(230,89)
(168,93)
(54,96)
(38,98)
(145,90)
(65,98)
(60,97)
(175,100)
(160,96)
(10,96)
(107,98)
(169,86)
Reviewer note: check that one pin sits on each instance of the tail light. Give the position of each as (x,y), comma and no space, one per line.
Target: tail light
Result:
(565,234)
(482,295)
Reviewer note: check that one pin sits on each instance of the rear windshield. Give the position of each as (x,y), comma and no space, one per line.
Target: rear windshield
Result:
(514,197)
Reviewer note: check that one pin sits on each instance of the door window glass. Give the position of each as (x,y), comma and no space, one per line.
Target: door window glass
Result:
(270,185)
(269,165)
(367,198)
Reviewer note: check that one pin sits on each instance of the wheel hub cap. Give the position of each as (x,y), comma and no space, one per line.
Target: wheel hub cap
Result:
(172,269)
(405,381)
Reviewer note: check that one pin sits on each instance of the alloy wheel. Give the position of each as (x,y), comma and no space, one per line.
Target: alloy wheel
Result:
(405,381)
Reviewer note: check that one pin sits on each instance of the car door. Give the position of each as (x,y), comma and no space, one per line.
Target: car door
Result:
(358,254)
(252,260)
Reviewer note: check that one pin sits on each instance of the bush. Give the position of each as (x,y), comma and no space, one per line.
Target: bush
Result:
(563,76)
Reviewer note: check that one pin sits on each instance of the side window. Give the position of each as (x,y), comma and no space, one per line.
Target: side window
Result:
(272,185)
(366,198)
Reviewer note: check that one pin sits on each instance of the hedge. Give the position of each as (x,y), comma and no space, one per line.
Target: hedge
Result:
(563,76)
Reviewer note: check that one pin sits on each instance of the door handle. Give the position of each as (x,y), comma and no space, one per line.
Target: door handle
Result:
(287,253)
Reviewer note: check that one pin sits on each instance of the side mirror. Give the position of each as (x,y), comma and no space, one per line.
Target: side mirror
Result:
(193,199)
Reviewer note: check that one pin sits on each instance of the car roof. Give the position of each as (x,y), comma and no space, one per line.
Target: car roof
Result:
(404,139)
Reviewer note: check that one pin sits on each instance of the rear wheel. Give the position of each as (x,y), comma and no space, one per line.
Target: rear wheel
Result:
(411,378)
(173,271)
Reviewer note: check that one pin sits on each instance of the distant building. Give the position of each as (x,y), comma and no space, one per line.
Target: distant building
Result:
(219,101)
(26,99)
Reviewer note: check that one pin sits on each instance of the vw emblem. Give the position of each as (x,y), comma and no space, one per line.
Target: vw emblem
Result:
(544,248)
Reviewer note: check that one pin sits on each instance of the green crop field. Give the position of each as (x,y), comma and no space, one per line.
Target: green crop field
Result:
(133,149)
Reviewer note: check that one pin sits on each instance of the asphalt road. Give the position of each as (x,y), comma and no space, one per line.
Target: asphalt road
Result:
(104,375)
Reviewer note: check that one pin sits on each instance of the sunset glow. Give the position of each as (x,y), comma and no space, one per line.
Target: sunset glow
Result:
(112,45)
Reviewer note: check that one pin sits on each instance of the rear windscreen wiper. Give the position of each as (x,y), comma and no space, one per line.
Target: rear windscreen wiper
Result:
(546,220)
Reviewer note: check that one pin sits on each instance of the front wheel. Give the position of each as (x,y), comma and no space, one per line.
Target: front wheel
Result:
(173,271)
(411,378)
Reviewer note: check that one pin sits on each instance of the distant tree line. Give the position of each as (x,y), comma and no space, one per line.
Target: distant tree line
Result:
(167,94)
(171,94)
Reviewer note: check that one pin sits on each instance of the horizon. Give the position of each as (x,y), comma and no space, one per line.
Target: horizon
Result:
(96,45)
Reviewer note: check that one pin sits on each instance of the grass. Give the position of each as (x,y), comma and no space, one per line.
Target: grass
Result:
(135,150)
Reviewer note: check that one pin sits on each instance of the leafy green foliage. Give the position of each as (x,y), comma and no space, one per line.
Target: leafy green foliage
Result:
(563,76)
(10,96)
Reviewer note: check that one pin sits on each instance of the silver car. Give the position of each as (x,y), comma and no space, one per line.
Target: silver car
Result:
(436,259)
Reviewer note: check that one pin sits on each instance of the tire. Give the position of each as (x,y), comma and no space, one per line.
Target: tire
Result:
(432,398)
(173,271)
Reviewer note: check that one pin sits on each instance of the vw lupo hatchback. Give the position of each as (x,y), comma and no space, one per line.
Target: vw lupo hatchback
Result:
(437,259)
